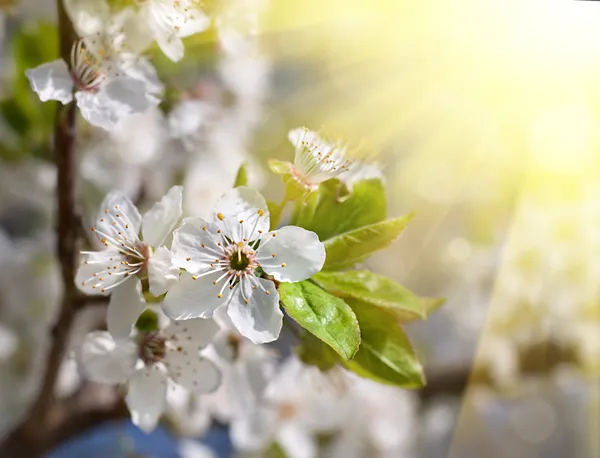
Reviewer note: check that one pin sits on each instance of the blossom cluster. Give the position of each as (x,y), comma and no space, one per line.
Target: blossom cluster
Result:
(191,299)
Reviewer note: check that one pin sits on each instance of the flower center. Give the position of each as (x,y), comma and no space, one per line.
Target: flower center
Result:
(152,348)
(241,258)
(86,70)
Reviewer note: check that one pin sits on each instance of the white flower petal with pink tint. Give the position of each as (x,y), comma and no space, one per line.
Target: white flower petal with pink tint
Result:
(161,219)
(100,359)
(162,274)
(52,81)
(125,307)
(147,397)
(294,254)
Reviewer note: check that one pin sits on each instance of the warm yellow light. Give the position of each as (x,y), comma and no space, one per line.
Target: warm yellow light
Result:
(564,138)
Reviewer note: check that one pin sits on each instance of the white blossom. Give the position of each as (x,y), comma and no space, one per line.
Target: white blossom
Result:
(129,257)
(149,363)
(223,258)
(316,159)
(167,22)
(299,403)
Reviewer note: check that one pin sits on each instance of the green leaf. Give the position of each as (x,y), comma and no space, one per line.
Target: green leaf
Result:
(349,248)
(334,213)
(431,304)
(373,289)
(315,352)
(327,317)
(385,354)
(279,167)
(241,179)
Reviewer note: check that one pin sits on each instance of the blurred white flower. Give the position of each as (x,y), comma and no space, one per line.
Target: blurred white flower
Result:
(316,160)
(229,250)
(167,22)
(148,364)
(299,403)
(103,96)
(376,421)
(128,256)
(126,159)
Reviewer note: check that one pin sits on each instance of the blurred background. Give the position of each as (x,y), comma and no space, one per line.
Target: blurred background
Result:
(485,119)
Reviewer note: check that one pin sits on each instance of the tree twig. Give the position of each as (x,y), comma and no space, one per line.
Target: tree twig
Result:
(28,439)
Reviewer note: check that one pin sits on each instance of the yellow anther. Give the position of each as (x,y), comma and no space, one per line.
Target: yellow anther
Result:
(246,301)
(274,255)
(221,216)
(103,239)
(194,277)
(241,221)
(188,259)
(219,295)
(261,213)
(274,234)
(268,292)
(283,265)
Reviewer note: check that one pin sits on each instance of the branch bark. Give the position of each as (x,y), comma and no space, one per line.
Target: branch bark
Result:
(29,438)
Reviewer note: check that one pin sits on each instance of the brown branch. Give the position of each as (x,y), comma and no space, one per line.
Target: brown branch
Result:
(29,438)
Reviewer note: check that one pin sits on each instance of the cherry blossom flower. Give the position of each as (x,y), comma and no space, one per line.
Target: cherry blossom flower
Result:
(104,92)
(167,22)
(316,159)
(149,363)
(129,257)
(226,258)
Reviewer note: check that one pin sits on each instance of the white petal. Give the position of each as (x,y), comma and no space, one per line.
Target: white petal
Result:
(116,100)
(188,252)
(191,298)
(93,273)
(126,225)
(126,305)
(171,45)
(298,254)
(253,429)
(161,219)
(198,332)
(296,441)
(100,359)
(192,371)
(52,81)
(243,204)
(146,397)
(259,320)
(191,25)
(162,274)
